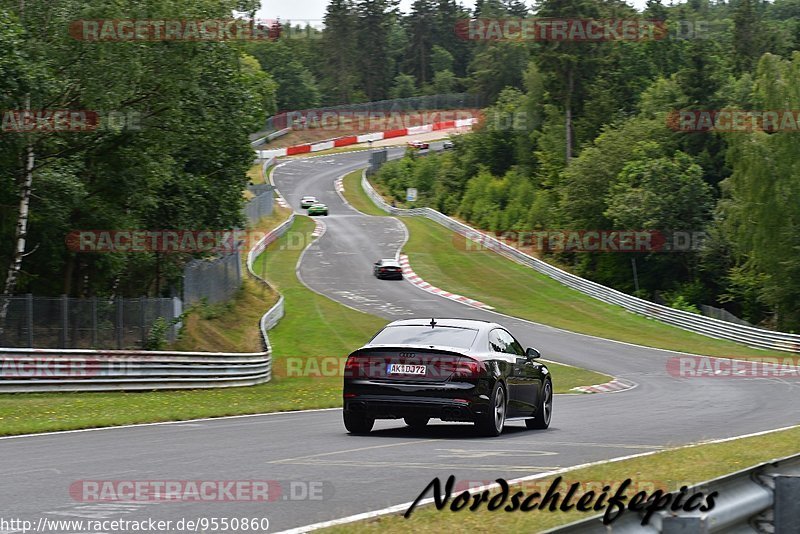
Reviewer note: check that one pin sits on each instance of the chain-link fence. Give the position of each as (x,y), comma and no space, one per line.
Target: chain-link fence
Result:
(260,205)
(213,280)
(722,314)
(93,323)
(416,103)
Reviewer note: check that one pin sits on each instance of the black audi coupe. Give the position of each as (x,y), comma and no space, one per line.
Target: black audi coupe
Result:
(448,369)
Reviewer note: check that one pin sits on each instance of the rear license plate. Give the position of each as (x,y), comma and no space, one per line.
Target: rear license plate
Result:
(403,369)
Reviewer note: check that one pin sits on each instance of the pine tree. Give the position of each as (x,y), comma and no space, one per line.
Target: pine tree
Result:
(338,46)
(374,24)
(515,8)
(421,26)
(746,36)
(447,17)
(568,65)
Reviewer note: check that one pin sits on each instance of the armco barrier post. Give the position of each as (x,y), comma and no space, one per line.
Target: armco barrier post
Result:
(143,329)
(29,317)
(177,310)
(94,322)
(787,504)
(120,317)
(64,321)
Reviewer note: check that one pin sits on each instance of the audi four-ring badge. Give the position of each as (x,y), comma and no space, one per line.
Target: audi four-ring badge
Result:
(449,369)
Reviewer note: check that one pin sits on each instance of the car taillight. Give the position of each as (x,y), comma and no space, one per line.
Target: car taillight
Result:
(462,368)
(467,368)
(356,366)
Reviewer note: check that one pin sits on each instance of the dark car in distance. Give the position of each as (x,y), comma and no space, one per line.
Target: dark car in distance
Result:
(448,369)
(387,268)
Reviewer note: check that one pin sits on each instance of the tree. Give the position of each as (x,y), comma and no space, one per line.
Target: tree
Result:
(441,59)
(16,79)
(338,51)
(568,65)
(420,23)
(663,194)
(297,85)
(179,161)
(444,82)
(747,32)
(498,66)
(515,8)
(403,86)
(660,193)
(375,18)
(760,209)
(589,177)
(447,16)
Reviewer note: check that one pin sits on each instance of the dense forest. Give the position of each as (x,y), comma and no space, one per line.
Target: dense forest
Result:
(597,149)
(576,136)
(180,164)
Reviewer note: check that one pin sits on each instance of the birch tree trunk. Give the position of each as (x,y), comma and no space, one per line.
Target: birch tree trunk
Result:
(21,230)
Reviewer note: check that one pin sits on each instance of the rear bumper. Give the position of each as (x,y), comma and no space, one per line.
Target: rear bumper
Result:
(390,407)
(448,401)
(390,276)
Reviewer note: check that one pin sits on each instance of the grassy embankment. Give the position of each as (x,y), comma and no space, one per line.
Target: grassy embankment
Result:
(315,332)
(443,259)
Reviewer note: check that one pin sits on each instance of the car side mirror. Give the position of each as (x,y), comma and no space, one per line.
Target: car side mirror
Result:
(532,354)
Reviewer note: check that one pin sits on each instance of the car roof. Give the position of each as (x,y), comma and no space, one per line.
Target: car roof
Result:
(390,260)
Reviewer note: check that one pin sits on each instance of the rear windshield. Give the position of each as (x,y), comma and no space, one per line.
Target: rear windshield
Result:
(445,336)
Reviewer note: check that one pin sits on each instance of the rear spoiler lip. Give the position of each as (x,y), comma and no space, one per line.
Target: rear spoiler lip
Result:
(422,348)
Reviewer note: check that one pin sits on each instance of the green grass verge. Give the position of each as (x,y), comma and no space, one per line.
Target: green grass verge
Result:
(314,332)
(442,258)
(667,470)
(315,326)
(254,174)
(232,326)
(356,196)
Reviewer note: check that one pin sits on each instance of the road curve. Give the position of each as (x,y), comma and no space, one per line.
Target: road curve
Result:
(394,463)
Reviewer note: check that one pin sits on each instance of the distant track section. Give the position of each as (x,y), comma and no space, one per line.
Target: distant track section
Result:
(364,138)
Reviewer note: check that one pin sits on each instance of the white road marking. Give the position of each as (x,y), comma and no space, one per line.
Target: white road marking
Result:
(471,454)
(404,506)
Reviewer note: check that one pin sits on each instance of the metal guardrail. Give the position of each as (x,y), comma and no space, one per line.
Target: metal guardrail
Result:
(266,138)
(708,326)
(271,318)
(43,370)
(763,498)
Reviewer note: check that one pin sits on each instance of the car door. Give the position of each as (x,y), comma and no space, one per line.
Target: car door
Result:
(527,375)
(499,344)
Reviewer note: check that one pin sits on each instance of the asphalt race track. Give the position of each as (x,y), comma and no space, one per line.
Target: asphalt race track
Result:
(393,464)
